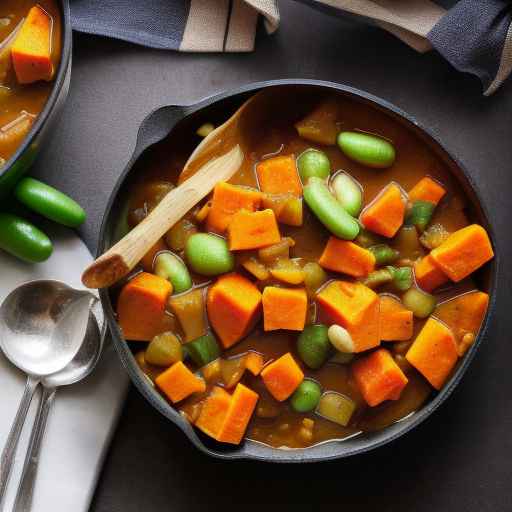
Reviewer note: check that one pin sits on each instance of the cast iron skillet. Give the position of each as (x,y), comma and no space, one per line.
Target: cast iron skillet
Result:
(176,119)
(18,164)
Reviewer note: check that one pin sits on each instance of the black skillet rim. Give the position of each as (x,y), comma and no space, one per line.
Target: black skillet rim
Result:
(330,450)
(65,62)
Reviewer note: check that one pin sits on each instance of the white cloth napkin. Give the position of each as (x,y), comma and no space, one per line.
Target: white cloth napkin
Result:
(84,415)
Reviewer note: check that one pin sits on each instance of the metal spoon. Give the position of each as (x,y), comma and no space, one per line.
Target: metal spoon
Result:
(82,365)
(42,325)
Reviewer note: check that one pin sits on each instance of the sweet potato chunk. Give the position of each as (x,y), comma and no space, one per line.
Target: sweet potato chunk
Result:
(227,200)
(284,308)
(233,305)
(356,308)
(282,377)
(238,415)
(463,252)
(465,313)
(31,50)
(253,230)
(178,382)
(378,377)
(214,411)
(396,321)
(434,352)
(428,275)
(427,189)
(141,306)
(278,175)
(347,258)
(385,214)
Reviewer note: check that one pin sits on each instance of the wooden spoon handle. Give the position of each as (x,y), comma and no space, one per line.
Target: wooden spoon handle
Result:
(125,254)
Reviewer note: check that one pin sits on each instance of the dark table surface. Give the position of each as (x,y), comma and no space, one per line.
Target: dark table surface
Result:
(461,458)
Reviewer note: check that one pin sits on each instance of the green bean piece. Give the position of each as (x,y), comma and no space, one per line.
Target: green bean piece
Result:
(164,350)
(328,211)
(170,267)
(420,214)
(49,202)
(367,149)
(422,304)
(402,277)
(208,254)
(313,162)
(203,350)
(384,254)
(367,239)
(348,192)
(378,278)
(23,240)
(313,345)
(306,396)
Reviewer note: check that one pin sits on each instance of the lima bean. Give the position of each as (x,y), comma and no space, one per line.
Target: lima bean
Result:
(329,211)
(306,396)
(313,345)
(313,163)
(208,254)
(367,149)
(348,192)
(170,267)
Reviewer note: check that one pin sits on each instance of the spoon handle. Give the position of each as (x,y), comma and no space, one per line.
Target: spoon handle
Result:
(25,493)
(125,254)
(9,451)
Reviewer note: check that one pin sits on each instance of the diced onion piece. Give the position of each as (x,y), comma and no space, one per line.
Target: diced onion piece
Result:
(205,129)
(336,407)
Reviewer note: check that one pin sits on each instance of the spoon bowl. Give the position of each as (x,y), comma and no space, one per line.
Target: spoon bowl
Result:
(42,325)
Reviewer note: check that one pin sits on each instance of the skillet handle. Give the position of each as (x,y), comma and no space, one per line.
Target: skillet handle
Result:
(157,125)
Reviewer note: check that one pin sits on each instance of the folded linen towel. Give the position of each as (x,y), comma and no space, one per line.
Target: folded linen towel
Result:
(475,36)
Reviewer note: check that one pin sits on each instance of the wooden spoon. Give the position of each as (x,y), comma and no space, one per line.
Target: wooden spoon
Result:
(201,173)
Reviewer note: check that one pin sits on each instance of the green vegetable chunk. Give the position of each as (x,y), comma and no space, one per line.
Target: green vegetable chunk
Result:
(313,163)
(314,277)
(336,407)
(23,240)
(208,254)
(420,214)
(384,254)
(164,350)
(329,211)
(49,202)
(306,396)
(313,345)
(348,192)
(378,278)
(203,350)
(419,302)
(170,267)
(402,277)
(367,149)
